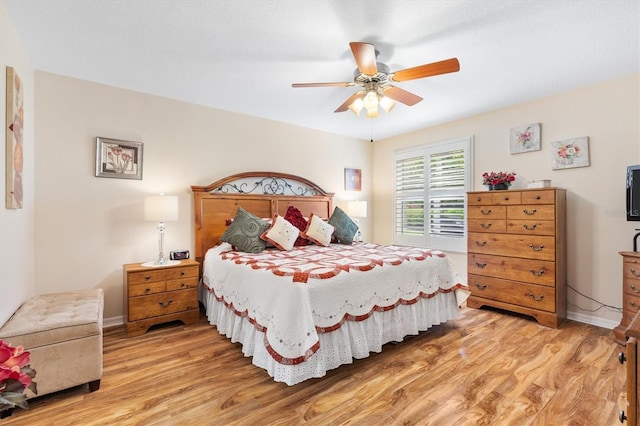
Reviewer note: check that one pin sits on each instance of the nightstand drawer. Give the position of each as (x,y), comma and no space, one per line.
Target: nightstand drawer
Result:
(182,272)
(162,304)
(146,288)
(182,283)
(146,276)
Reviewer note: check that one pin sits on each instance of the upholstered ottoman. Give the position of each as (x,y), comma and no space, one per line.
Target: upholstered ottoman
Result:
(63,332)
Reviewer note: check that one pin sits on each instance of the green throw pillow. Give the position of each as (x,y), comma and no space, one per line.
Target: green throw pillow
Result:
(345,228)
(244,232)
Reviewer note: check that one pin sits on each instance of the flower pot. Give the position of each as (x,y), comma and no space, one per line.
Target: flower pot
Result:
(498,187)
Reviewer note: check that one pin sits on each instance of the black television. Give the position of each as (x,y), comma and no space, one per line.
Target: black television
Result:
(633,193)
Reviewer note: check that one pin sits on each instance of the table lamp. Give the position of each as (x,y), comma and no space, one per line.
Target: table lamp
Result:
(161,208)
(357,209)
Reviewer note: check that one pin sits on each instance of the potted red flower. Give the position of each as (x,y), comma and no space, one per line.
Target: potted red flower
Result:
(15,378)
(498,180)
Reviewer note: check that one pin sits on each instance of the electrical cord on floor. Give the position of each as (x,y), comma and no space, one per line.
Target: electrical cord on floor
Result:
(602,305)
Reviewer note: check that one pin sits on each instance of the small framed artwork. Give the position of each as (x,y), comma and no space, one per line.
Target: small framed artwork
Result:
(525,138)
(118,159)
(570,153)
(352,180)
(14,144)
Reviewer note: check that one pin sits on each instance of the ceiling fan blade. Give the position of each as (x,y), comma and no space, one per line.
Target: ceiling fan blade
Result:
(400,95)
(427,70)
(365,56)
(337,84)
(345,105)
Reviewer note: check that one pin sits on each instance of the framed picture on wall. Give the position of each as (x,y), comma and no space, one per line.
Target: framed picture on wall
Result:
(352,180)
(525,138)
(570,153)
(118,159)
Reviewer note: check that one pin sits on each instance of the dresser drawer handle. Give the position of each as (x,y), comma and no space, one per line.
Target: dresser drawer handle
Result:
(479,199)
(485,225)
(634,289)
(506,198)
(537,197)
(181,273)
(536,248)
(183,284)
(530,213)
(485,212)
(537,299)
(147,277)
(529,228)
(481,265)
(621,358)
(147,290)
(481,243)
(537,273)
(481,286)
(164,305)
(634,273)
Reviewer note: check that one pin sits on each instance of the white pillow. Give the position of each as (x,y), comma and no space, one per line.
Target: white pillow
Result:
(318,231)
(281,234)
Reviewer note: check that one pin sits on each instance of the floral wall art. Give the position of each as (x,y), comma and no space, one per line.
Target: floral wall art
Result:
(118,159)
(14,144)
(569,153)
(525,138)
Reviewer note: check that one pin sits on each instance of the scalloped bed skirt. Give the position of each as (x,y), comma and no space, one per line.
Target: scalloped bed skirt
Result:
(354,339)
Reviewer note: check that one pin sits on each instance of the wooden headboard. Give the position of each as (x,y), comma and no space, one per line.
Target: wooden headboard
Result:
(260,193)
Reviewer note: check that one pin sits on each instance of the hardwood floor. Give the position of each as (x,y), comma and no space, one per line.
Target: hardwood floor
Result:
(484,368)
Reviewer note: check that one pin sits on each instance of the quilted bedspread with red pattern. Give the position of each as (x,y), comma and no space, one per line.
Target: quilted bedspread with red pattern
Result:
(293,295)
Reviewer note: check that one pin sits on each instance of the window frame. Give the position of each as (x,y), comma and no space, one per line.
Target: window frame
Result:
(440,242)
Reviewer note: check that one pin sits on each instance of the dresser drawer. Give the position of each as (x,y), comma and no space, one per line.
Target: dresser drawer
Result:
(161,304)
(143,289)
(145,276)
(539,272)
(487,212)
(531,227)
(539,197)
(531,212)
(182,283)
(539,247)
(487,225)
(515,293)
(631,270)
(505,197)
(478,198)
(182,272)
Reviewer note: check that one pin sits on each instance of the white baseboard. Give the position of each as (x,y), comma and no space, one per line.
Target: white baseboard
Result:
(113,321)
(588,319)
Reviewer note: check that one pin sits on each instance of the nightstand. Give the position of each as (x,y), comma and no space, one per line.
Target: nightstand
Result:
(155,295)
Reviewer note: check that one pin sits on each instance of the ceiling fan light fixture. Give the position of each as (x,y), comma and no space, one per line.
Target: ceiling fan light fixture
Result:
(387,103)
(356,106)
(373,113)
(370,100)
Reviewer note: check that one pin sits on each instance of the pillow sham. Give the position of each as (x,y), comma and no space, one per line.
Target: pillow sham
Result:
(294,217)
(281,233)
(345,227)
(318,231)
(244,232)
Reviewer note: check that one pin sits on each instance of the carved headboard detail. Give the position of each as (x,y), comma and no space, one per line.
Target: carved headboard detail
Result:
(261,193)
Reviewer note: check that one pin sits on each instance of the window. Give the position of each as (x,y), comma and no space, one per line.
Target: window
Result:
(429,193)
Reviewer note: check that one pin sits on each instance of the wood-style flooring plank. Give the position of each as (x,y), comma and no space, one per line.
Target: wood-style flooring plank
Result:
(484,368)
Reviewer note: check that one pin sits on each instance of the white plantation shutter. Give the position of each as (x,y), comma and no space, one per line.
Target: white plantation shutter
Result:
(429,195)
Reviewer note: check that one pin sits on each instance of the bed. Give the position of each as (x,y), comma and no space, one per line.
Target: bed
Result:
(300,311)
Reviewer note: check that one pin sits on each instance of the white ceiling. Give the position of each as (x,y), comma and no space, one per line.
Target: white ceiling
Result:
(243,55)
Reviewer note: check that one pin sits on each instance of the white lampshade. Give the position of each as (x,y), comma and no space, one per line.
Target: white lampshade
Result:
(161,208)
(357,208)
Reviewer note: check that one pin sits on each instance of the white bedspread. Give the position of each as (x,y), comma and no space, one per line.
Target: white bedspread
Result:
(294,296)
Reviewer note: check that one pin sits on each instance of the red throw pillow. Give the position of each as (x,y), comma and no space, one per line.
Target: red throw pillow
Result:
(294,216)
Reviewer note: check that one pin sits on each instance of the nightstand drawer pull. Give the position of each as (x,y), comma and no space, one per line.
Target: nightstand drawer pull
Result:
(481,243)
(536,248)
(537,273)
(634,273)
(506,198)
(165,305)
(537,299)
(485,212)
(485,225)
(621,358)
(481,286)
(529,228)
(147,277)
(634,289)
(181,272)
(481,265)
(147,290)
(530,213)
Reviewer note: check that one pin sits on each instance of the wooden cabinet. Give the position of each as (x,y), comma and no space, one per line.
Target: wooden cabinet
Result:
(516,252)
(632,332)
(630,293)
(155,295)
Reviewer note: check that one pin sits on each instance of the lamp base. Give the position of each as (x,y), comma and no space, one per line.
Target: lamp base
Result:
(154,264)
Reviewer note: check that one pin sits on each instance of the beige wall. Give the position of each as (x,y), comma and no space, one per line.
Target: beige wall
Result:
(16,225)
(87,227)
(609,114)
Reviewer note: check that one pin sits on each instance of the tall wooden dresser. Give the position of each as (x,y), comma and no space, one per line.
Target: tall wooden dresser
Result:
(630,293)
(516,251)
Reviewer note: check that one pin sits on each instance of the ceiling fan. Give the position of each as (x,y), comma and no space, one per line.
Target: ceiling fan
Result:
(375,78)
